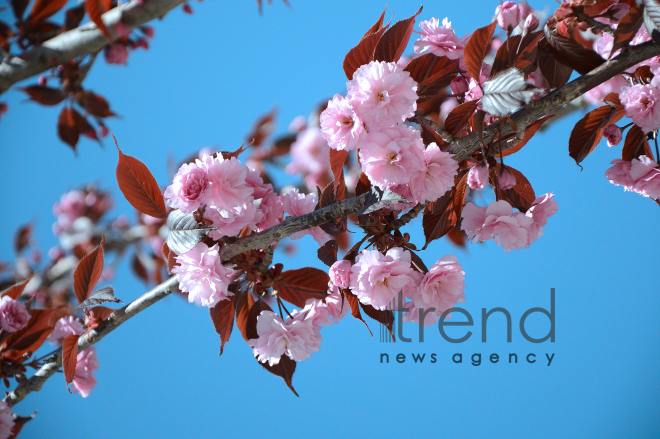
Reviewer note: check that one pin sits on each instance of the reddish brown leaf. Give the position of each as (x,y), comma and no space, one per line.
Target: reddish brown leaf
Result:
(139,186)
(337,159)
(393,42)
(589,130)
(527,53)
(222,315)
(97,315)
(31,337)
(327,253)
(74,17)
(363,53)
(459,116)
(457,236)
(16,291)
(69,357)
(139,269)
(95,9)
(19,422)
(84,127)
(627,27)
(43,9)
(506,55)
(170,257)
(22,237)
(296,286)
(95,104)
(255,311)
(439,217)
(44,95)
(285,369)
(521,196)
(378,25)
(556,73)
(417,263)
(529,133)
(477,48)
(572,53)
(460,191)
(67,127)
(19,6)
(244,302)
(88,272)
(636,144)
(432,74)
(354,303)
(384,317)
(363,185)
(263,127)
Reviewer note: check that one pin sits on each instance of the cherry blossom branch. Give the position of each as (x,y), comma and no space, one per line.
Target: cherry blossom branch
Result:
(289,226)
(433,126)
(86,340)
(80,41)
(579,13)
(462,148)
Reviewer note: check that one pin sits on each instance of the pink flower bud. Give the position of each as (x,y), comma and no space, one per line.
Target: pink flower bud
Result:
(340,273)
(478,176)
(531,23)
(613,135)
(122,29)
(459,85)
(116,54)
(103,131)
(506,180)
(43,81)
(148,31)
(187,9)
(508,15)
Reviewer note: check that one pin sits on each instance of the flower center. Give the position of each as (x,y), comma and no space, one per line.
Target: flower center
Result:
(347,121)
(380,97)
(392,156)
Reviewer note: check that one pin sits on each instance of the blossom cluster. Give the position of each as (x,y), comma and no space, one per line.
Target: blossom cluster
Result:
(13,314)
(510,230)
(641,175)
(381,96)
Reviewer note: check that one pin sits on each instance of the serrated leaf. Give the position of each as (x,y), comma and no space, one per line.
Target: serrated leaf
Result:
(88,272)
(100,296)
(16,291)
(477,47)
(459,116)
(139,186)
(362,53)
(354,303)
(529,133)
(378,199)
(627,27)
(222,315)
(572,53)
(439,217)
(297,286)
(432,74)
(506,92)
(95,105)
(184,232)
(44,95)
(31,337)
(69,357)
(589,130)
(284,369)
(391,45)
(327,253)
(636,144)
(521,196)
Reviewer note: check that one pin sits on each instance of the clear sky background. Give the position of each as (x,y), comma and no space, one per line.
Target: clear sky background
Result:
(203,82)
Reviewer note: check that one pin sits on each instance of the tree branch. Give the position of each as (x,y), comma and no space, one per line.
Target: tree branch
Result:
(86,340)
(462,148)
(340,209)
(80,41)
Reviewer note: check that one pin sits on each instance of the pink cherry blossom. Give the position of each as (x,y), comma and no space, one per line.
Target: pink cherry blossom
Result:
(498,222)
(341,127)
(382,94)
(230,221)
(340,273)
(619,174)
(508,15)
(310,157)
(437,176)
(6,420)
(596,95)
(227,187)
(642,105)
(13,314)
(441,288)
(613,135)
(299,123)
(188,189)
(272,210)
(475,92)
(376,279)
(84,380)
(296,204)
(259,188)
(64,327)
(116,53)
(122,29)
(328,311)
(646,174)
(440,40)
(70,207)
(202,275)
(459,85)
(478,176)
(391,156)
(297,338)
(542,209)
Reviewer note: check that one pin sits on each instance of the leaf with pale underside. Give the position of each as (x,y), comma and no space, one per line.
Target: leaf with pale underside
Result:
(506,92)
(100,296)
(185,232)
(377,199)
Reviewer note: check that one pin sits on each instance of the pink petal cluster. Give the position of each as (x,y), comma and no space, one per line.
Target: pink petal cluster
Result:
(70,207)
(641,175)
(188,189)
(508,15)
(459,85)
(65,327)
(376,279)
(510,230)
(116,53)
(202,275)
(6,420)
(297,338)
(531,23)
(642,105)
(440,40)
(441,288)
(272,210)
(436,177)
(391,156)
(478,176)
(340,273)
(310,157)
(297,204)
(613,135)
(340,125)
(84,380)
(506,179)
(382,94)
(13,314)
(328,311)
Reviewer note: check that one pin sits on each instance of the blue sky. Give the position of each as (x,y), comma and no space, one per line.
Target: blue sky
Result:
(203,82)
